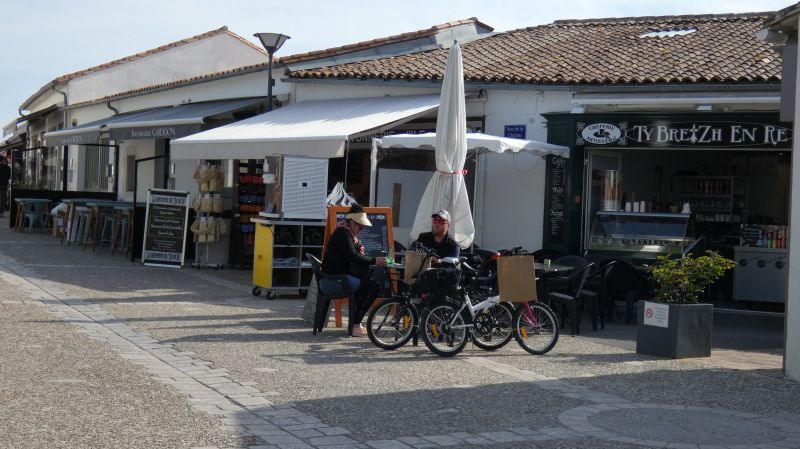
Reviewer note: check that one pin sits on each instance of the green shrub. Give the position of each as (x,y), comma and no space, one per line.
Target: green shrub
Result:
(682,281)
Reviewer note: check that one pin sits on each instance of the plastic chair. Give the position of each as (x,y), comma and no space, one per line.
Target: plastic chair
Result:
(571,302)
(33,215)
(324,298)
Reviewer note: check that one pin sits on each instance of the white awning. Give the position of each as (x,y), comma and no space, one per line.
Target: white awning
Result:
(479,142)
(311,128)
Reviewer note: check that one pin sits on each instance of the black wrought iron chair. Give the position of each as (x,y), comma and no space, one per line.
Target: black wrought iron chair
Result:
(598,282)
(324,299)
(627,283)
(569,302)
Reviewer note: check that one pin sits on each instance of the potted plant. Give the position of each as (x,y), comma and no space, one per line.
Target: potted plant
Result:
(674,324)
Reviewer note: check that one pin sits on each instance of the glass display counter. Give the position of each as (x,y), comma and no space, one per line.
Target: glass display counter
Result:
(640,236)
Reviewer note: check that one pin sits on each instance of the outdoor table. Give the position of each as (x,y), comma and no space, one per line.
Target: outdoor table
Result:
(552,268)
(21,203)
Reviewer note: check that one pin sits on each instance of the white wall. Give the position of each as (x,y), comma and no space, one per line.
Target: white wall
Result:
(510,198)
(210,55)
(311,91)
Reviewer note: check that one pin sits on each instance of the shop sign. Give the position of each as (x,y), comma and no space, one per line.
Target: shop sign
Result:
(656,314)
(515,131)
(73,139)
(165,228)
(694,134)
(154,132)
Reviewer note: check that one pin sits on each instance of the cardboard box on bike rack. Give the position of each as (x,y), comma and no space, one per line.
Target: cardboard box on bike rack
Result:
(516,277)
(413,261)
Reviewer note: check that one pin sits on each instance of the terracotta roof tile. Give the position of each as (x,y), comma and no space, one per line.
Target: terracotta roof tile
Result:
(723,48)
(365,45)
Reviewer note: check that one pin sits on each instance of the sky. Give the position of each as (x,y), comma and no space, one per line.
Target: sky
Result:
(42,40)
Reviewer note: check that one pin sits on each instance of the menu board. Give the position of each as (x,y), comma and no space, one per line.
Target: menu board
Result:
(557,198)
(165,228)
(377,238)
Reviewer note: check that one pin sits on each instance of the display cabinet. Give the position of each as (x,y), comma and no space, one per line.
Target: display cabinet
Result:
(714,198)
(279,262)
(640,236)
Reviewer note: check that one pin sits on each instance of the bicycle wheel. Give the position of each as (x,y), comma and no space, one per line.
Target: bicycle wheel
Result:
(444,332)
(392,323)
(535,327)
(493,327)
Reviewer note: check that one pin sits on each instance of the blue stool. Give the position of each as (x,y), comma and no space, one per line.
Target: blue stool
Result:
(81,215)
(109,224)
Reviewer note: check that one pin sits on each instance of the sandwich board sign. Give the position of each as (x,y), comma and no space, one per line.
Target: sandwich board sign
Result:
(165,228)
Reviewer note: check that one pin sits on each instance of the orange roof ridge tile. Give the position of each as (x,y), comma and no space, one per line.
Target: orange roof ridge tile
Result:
(672,18)
(143,54)
(364,45)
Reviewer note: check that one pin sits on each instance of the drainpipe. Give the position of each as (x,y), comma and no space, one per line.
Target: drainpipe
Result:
(108,105)
(65,172)
(66,103)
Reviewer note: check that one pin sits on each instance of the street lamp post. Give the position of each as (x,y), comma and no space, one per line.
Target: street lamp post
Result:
(271,42)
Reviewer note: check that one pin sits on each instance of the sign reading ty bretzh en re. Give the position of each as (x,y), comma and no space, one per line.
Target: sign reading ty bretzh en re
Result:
(165,228)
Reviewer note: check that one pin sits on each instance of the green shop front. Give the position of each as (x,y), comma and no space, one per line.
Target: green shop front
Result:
(642,184)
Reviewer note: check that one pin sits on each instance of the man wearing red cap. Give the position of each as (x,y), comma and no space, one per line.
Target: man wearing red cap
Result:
(438,240)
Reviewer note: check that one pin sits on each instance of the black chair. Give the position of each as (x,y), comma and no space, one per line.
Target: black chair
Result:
(627,283)
(324,299)
(598,282)
(541,254)
(572,300)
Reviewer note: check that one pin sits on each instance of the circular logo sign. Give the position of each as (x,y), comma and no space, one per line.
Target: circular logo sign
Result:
(601,133)
(648,312)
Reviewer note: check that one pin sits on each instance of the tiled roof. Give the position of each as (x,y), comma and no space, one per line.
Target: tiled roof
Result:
(723,48)
(65,78)
(365,45)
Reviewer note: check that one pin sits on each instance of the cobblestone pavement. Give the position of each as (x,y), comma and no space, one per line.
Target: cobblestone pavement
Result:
(148,357)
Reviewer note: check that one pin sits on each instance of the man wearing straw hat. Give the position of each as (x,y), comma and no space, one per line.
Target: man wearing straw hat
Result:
(345,255)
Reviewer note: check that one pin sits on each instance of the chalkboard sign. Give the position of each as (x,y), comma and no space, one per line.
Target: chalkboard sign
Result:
(557,198)
(165,228)
(751,235)
(376,238)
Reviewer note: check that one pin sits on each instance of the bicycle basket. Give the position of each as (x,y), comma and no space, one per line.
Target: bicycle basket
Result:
(438,281)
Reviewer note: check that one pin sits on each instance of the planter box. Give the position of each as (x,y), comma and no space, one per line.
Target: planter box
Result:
(674,330)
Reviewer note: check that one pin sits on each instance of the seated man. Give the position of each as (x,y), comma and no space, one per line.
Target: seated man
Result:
(438,240)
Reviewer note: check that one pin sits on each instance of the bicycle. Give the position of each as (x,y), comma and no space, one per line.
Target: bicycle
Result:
(394,321)
(446,325)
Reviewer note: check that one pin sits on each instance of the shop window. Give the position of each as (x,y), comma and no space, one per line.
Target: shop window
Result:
(92,168)
(38,169)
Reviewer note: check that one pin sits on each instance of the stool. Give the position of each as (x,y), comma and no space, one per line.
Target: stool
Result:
(81,216)
(109,224)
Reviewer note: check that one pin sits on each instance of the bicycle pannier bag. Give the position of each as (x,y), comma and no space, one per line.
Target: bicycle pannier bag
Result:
(516,276)
(413,262)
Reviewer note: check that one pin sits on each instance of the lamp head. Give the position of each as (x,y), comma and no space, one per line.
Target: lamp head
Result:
(272,41)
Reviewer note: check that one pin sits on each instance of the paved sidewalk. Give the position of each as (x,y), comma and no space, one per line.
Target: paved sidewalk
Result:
(227,370)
